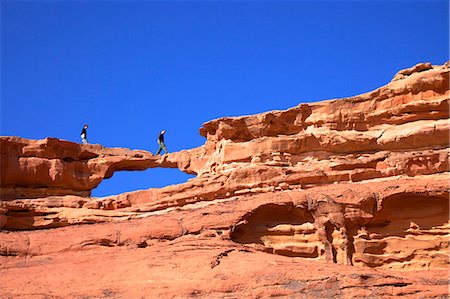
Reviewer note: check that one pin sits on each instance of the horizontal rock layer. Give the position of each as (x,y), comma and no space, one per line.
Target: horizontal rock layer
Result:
(375,224)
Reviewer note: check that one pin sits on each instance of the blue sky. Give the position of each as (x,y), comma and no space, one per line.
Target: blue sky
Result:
(132,68)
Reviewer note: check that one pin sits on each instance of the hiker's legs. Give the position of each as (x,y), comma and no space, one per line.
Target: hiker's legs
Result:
(164,148)
(84,140)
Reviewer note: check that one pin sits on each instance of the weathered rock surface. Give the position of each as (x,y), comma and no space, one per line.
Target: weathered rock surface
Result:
(361,184)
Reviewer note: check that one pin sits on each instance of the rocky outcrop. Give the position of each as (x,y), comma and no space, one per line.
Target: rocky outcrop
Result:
(41,168)
(388,225)
(358,183)
(399,129)
(375,224)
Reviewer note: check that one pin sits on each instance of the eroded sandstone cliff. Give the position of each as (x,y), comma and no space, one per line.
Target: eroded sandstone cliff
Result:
(361,182)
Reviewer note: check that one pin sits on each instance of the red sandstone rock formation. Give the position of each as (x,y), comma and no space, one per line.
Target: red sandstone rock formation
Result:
(360,183)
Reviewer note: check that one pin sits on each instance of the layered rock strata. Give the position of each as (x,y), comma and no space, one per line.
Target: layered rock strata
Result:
(398,129)
(359,181)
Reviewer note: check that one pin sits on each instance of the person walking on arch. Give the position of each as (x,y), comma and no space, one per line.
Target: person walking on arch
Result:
(161,144)
(84,134)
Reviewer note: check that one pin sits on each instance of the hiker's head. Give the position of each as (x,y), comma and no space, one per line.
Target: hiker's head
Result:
(163,131)
(86,126)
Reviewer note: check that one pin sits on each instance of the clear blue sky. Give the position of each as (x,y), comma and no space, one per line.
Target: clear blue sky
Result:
(132,68)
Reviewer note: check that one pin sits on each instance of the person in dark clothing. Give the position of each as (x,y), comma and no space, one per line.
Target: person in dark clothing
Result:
(161,144)
(84,134)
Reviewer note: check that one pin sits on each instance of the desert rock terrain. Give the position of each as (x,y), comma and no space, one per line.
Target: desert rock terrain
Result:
(344,198)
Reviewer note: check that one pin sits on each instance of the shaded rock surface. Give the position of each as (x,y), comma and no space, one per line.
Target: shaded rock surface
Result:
(340,198)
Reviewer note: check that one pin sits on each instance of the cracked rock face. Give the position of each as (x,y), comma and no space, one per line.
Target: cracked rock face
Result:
(326,199)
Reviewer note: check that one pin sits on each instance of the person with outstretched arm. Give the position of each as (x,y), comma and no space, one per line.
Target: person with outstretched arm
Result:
(84,134)
(161,144)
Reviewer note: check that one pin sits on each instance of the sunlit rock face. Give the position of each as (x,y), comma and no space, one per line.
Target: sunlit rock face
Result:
(41,168)
(403,229)
(357,183)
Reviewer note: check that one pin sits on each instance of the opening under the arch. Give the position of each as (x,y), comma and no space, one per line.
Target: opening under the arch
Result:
(126,181)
